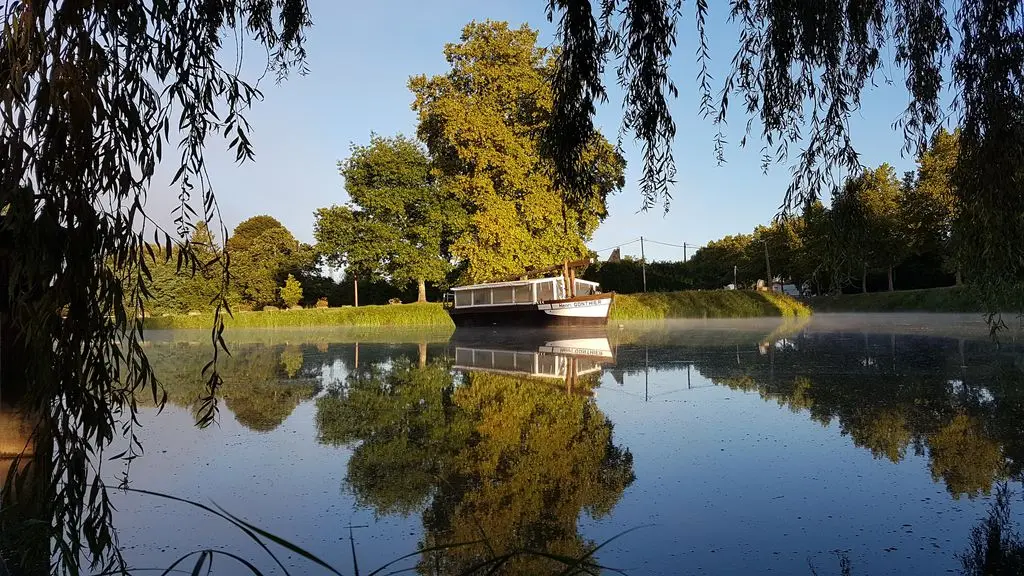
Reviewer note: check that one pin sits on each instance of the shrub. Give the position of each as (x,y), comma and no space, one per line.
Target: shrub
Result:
(394,301)
(291,292)
(269,308)
(322,303)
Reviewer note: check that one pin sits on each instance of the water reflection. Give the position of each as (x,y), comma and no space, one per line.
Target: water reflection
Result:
(508,437)
(262,383)
(491,452)
(959,402)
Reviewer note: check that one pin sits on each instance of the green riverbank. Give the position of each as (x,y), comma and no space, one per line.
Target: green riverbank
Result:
(953,299)
(420,314)
(649,306)
(704,304)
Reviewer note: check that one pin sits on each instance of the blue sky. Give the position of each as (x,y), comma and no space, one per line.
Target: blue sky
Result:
(361,55)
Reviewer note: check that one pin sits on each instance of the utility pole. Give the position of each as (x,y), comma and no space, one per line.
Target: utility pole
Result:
(355,288)
(684,251)
(643,263)
(735,284)
(768,265)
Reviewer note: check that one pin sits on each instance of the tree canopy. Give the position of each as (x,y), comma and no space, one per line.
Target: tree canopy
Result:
(263,254)
(482,123)
(398,223)
(798,73)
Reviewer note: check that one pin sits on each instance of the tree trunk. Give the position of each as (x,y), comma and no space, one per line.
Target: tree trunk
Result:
(890,279)
(959,276)
(864,279)
(422,296)
(13,362)
(423,354)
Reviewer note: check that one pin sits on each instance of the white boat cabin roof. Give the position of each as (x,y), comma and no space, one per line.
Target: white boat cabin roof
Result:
(521,283)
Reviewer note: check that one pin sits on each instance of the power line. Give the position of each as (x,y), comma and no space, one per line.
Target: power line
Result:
(683,245)
(634,241)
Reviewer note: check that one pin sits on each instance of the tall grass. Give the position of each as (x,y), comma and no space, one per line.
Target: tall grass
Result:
(649,306)
(952,299)
(705,304)
(423,314)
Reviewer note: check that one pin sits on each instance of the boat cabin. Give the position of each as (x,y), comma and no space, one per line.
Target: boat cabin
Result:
(525,363)
(537,291)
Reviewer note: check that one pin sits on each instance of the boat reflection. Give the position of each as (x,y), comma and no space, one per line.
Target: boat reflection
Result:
(549,355)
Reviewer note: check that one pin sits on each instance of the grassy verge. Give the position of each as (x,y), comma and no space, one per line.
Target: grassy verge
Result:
(952,299)
(704,304)
(650,306)
(429,314)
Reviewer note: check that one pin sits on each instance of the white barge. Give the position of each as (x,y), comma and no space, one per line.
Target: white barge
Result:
(558,301)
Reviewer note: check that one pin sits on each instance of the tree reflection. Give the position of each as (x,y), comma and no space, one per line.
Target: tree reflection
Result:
(892,396)
(506,459)
(262,384)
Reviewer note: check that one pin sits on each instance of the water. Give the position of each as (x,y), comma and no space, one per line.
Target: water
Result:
(731,447)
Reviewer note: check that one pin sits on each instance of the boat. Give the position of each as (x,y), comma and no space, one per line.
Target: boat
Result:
(539,302)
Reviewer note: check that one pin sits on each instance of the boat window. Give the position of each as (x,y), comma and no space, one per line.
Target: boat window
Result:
(523,293)
(463,298)
(464,356)
(481,296)
(584,289)
(548,364)
(501,295)
(545,291)
(504,360)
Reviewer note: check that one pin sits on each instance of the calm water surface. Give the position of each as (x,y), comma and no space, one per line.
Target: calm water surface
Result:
(732,447)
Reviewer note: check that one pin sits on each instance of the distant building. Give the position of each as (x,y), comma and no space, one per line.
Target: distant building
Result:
(615,256)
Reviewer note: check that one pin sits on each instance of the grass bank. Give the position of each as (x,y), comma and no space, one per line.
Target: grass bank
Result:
(953,299)
(649,306)
(428,314)
(705,304)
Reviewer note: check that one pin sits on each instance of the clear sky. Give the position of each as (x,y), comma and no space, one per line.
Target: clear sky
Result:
(361,55)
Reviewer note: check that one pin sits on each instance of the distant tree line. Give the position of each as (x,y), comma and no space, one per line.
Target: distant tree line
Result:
(881,232)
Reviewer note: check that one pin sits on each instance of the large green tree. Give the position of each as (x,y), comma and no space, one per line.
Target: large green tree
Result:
(930,200)
(482,123)
(263,254)
(721,262)
(868,223)
(398,223)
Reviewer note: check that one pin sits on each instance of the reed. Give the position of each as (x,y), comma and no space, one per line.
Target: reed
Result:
(422,314)
(705,304)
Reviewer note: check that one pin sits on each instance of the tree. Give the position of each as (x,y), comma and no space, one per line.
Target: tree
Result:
(783,243)
(800,69)
(95,87)
(263,254)
(481,123)
(880,193)
(291,292)
(930,200)
(721,262)
(867,222)
(398,212)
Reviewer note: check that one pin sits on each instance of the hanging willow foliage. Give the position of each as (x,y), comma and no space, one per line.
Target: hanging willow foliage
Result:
(798,72)
(91,95)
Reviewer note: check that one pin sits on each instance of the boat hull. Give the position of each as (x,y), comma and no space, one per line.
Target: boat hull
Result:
(582,311)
